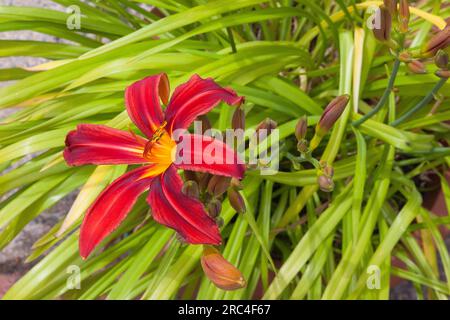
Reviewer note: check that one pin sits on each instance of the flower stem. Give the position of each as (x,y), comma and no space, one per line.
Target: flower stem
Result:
(421,104)
(384,97)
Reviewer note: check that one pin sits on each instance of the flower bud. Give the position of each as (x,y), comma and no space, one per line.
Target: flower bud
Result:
(236,200)
(206,124)
(222,273)
(191,175)
(204,180)
(236,183)
(416,66)
(439,41)
(214,208)
(443,74)
(329,116)
(391,6)
(326,184)
(382,31)
(328,171)
(301,128)
(190,188)
(238,121)
(403,16)
(332,113)
(405,56)
(220,222)
(267,124)
(441,59)
(302,146)
(217,185)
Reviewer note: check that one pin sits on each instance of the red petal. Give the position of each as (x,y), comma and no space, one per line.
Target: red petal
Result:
(142,99)
(113,205)
(175,210)
(97,144)
(203,153)
(194,98)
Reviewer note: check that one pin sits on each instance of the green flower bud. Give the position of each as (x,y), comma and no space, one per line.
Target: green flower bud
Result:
(302,146)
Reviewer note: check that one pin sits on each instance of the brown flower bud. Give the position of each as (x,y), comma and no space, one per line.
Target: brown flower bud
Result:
(204,180)
(222,273)
(441,59)
(267,124)
(443,74)
(326,184)
(190,188)
(439,41)
(238,121)
(332,113)
(236,200)
(391,6)
(416,66)
(382,31)
(214,208)
(403,16)
(301,128)
(329,117)
(218,185)
(191,175)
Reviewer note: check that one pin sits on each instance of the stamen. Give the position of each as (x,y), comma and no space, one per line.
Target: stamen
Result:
(155,138)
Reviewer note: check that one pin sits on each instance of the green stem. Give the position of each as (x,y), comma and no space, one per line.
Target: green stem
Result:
(231,38)
(384,97)
(421,104)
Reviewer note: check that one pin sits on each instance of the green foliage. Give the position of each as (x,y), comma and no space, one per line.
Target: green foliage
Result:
(291,59)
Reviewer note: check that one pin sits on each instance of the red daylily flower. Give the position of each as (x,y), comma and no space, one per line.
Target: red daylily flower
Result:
(101,145)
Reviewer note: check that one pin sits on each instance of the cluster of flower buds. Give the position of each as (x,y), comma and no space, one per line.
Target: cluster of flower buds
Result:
(414,65)
(221,272)
(325,177)
(329,117)
(439,41)
(388,14)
